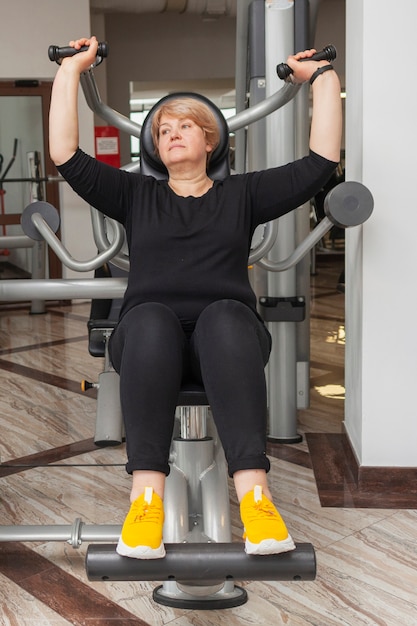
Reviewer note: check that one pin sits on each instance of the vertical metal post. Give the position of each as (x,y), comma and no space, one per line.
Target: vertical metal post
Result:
(38,271)
(279,42)
(257,131)
(240,80)
(257,84)
(39,247)
(302,40)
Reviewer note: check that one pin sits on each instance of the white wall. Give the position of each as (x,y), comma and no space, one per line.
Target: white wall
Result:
(27,30)
(381,260)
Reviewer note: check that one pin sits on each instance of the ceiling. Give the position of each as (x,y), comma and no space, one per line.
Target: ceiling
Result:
(207,8)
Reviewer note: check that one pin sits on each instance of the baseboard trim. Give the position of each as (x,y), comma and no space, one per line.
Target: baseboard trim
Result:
(342,482)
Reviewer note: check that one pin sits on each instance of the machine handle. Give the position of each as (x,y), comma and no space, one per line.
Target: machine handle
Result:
(328,53)
(40,220)
(56,54)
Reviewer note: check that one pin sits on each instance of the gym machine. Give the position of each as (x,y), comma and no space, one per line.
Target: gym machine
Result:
(201,564)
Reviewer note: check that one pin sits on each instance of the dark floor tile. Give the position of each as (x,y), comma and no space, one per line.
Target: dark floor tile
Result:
(47,457)
(286,452)
(40,376)
(61,592)
(43,344)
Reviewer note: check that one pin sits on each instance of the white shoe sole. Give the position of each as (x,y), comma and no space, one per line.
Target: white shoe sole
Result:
(140,552)
(270,546)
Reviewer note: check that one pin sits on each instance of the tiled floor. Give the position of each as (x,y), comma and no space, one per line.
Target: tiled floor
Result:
(51,473)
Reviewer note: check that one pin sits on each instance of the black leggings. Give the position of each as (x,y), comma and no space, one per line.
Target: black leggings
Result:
(227,352)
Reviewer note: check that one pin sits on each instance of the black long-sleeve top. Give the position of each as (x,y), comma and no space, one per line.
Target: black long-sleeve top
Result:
(189,252)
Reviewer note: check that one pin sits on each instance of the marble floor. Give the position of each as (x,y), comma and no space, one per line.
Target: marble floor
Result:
(52,473)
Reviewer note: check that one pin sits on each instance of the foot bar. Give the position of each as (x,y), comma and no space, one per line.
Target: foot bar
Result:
(202,562)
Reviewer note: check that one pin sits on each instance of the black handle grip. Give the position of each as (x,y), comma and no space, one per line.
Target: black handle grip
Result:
(328,53)
(56,54)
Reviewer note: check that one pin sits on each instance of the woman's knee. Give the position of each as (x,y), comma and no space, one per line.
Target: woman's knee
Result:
(232,323)
(224,315)
(146,329)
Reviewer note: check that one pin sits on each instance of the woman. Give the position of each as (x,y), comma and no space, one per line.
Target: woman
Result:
(189,310)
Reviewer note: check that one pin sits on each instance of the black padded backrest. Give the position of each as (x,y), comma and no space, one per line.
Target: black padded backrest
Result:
(151,165)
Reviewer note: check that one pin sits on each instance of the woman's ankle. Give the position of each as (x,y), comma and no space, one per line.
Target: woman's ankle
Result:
(144,478)
(246,480)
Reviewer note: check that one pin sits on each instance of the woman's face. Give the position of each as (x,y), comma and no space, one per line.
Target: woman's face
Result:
(182,142)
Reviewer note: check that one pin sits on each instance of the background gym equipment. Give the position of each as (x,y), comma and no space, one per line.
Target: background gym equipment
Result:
(3,174)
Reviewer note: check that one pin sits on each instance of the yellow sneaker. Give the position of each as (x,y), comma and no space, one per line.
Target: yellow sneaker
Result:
(265,530)
(141,536)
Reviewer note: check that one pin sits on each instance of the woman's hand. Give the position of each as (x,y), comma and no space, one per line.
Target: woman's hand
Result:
(302,72)
(63,113)
(83,60)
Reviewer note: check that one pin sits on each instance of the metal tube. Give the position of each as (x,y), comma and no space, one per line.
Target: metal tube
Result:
(73,534)
(109,420)
(279,41)
(242,10)
(99,231)
(301,250)
(202,562)
(22,290)
(260,110)
(79,266)
(241,119)
(38,272)
(101,239)
(270,235)
(193,422)
(106,113)
(16,241)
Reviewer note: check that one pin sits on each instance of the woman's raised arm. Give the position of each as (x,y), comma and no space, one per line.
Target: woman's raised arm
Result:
(63,114)
(326,124)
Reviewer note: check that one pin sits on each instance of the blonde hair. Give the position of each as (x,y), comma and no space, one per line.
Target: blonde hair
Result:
(190,108)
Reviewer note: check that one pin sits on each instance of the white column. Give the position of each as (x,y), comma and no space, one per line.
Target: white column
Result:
(381,256)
